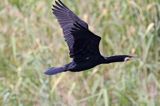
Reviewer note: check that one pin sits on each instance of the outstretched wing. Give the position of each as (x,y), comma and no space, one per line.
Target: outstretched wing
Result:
(86,43)
(75,31)
(66,19)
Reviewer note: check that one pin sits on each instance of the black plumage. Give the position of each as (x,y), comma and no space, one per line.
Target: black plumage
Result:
(83,44)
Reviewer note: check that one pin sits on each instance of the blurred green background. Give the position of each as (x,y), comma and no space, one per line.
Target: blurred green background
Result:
(31,40)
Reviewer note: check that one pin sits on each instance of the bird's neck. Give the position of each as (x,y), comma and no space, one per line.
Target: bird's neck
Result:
(117,58)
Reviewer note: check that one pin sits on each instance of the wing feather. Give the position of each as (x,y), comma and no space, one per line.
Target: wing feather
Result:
(76,33)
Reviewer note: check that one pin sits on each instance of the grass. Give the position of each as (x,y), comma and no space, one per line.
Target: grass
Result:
(31,41)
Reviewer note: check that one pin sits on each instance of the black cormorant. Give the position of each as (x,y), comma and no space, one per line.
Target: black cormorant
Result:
(83,44)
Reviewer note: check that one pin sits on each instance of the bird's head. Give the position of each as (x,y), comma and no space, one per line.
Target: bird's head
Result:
(128,58)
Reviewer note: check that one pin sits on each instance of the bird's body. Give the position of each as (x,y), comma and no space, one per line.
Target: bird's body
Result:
(88,63)
(83,44)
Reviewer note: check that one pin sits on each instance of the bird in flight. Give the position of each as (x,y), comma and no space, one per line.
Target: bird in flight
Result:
(83,44)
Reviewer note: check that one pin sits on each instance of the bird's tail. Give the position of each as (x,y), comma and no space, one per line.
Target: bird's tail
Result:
(55,70)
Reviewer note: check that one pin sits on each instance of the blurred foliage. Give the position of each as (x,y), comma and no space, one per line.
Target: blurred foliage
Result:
(31,41)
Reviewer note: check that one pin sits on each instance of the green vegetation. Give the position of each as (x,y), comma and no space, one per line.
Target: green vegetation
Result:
(31,40)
